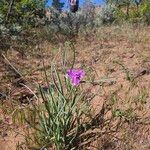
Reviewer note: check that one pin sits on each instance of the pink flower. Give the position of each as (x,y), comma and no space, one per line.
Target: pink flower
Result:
(75,75)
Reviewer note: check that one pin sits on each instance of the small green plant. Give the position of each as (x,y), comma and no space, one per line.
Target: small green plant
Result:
(126,70)
(128,115)
(141,97)
(118,113)
(59,115)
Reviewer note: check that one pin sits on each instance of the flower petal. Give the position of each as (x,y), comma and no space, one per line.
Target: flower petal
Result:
(75,81)
(75,75)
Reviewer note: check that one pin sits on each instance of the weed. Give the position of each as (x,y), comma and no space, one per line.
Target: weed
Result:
(59,117)
(126,70)
(127,115)
(141,97)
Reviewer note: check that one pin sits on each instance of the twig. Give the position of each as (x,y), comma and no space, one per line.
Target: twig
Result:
(9,9)
(29,90)
(101,81)
(14,69)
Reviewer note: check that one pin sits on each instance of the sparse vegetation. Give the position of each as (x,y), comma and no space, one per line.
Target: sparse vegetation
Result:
(74,80)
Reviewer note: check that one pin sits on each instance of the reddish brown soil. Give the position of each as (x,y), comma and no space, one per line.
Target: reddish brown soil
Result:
(99,54)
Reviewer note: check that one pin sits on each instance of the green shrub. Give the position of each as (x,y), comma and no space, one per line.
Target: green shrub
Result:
(22,12)
(107,15)
(58,117)
(120,16)
(134,16)
(145,12)
(68,24)
(18,16)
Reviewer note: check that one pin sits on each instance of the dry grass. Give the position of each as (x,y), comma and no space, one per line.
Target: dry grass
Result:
(120,56)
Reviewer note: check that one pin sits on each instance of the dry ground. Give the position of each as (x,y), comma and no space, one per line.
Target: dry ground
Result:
(119,57)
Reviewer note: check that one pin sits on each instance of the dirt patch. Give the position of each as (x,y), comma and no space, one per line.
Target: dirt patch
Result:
(117,60)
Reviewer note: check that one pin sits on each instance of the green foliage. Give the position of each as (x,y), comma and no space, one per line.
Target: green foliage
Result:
(68,25)
(145,12)
(134,16)
(107,15)
(17,16)
(120,16)
(71,24)
(23,12)
(59,117)
(128,115)
(136,10)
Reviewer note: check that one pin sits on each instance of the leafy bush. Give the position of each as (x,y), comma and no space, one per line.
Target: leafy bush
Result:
(23,12)
(145,12)
(120,16)
(68,24)
(106,15)
(88,11)
(18,16)
(134,16)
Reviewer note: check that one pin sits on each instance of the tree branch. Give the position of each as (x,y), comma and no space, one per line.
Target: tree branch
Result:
(9,9)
